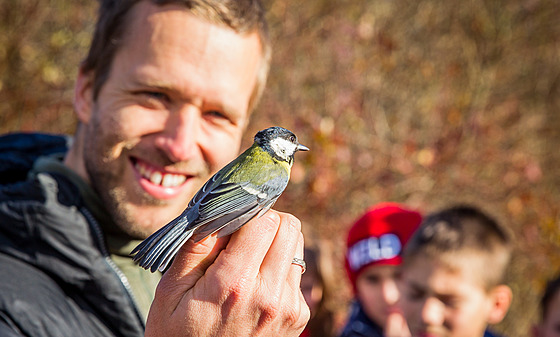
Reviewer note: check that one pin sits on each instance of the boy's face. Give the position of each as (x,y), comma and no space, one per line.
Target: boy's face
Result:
(437,301)
(377,291)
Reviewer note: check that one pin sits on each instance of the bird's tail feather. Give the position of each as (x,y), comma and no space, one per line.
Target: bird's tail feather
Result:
(171,251)
(159,249)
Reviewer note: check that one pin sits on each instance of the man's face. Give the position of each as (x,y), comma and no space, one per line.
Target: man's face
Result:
(171,113)
(439,302)
(376,288)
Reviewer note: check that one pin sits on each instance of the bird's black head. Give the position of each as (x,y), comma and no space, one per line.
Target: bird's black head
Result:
(279,142)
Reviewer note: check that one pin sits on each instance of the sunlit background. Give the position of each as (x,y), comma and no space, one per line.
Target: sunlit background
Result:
(424,102)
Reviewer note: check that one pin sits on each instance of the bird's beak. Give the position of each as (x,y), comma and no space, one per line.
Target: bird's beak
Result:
(301,147)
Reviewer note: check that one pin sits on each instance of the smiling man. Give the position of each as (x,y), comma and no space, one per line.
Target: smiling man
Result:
(172,111)
(162,101)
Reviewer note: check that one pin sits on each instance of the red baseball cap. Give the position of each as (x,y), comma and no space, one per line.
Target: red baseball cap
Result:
(378,237)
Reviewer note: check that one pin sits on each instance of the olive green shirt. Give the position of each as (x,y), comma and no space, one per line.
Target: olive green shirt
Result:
(142,282)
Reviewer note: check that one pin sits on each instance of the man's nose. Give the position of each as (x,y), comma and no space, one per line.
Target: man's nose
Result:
(180,137)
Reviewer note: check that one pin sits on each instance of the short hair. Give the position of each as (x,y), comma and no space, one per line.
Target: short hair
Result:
(463,231)
(552,288)
(242,16)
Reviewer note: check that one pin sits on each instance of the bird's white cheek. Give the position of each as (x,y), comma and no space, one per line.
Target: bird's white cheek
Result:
(282,147)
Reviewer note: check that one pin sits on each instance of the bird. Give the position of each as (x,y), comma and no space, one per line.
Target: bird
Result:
(245,188)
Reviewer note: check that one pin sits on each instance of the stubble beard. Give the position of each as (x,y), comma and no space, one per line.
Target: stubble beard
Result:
(106,174)
(107,183)
(123,212)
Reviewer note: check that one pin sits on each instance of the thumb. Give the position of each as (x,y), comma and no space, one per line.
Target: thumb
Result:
(187,269)
(396,325)
(191,262)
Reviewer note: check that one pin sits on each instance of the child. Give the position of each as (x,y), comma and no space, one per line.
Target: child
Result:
(550,308)
(453,269)
(372,262)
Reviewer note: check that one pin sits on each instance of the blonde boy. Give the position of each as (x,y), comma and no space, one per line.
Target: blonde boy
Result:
(453,272)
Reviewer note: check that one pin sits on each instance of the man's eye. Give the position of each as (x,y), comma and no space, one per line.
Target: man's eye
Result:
(152,99)
(156,95)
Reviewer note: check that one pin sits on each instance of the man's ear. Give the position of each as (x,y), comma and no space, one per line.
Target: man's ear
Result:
(501,297)
(83,95)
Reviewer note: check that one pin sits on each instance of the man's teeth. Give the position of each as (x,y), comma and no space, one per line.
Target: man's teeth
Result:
(160,178)
(171,180)
(155,178)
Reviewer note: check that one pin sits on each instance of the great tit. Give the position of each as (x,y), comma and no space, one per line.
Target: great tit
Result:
(245,188)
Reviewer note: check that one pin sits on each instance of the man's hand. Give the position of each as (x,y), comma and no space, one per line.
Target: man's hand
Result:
(243,285)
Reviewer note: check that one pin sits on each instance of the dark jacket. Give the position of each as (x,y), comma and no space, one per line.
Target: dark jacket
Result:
(359,325)
(489,333)
(56,277)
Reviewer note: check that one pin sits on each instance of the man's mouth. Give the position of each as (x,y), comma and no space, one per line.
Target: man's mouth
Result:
(157,176)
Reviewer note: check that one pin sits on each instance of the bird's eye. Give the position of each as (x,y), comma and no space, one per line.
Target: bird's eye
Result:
(293,139)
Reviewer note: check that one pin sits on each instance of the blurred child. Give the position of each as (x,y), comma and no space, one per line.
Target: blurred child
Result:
(453,269)
(317,286)
(550,309)
(373,256)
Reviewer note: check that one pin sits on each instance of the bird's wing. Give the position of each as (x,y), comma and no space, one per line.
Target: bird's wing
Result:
(232,206)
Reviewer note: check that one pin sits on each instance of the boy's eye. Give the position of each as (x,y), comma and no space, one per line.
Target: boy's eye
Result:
(414,294)
(215,114)
(373,279)
(451,302)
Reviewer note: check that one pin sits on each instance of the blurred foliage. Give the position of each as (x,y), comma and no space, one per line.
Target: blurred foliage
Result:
(41,45)
(424,102)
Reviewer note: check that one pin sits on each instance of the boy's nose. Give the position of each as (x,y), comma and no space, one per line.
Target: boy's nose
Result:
(390,292)
(433,312)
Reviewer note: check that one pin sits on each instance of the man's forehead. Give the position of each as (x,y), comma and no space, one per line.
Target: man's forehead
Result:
(191,45)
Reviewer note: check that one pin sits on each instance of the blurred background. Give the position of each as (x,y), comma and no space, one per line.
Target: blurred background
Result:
(424,102)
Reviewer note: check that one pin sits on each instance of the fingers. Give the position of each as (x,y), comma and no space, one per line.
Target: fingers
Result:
(302,312)
(260,256)
(248,246)
(193,259)
(287,244)
(294,276)
(188,267)
(281,291)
